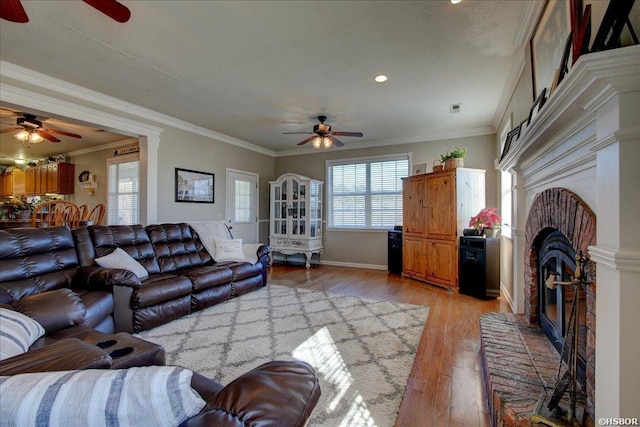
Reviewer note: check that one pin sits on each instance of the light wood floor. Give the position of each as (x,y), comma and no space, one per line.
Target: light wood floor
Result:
(445,386)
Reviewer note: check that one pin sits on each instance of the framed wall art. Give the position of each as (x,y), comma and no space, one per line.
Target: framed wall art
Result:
(193,186)
(548,43)
(419,169)
(512,137)
(537,105)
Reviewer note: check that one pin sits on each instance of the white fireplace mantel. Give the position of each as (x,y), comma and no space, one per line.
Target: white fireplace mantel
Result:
(586,139)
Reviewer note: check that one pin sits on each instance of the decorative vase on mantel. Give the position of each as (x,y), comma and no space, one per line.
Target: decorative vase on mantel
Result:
(490,232)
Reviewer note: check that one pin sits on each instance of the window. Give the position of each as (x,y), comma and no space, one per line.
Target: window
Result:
(505,189)
(243,201)
(123,198)
(366,193)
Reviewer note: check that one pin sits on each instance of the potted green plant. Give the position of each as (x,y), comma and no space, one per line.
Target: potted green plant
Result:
(454,159)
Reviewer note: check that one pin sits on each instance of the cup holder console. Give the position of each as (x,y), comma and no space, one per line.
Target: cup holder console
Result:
(105,344)
(119,352)
(127,350)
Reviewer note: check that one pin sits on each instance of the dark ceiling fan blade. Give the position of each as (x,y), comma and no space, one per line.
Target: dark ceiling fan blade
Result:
(10,130)
(111,8)
(12,10)
(297,133)
(306,140)
(336,141)
(46,135)
(61,132)
(347,133)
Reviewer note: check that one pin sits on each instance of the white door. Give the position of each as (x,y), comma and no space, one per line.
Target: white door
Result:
(242,205)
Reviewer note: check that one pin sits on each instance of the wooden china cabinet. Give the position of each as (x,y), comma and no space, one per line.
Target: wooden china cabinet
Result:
(436,208)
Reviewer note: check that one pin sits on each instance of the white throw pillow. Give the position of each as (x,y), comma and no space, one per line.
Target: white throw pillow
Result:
(17,333)
(147,396)
(120,259)
(229,250)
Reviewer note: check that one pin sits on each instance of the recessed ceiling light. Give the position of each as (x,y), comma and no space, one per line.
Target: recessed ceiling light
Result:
(380,78)
(455,1)
(20,161)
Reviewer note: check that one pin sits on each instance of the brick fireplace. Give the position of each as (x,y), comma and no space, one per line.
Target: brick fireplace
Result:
(577,161)
(562,210)
(520,362)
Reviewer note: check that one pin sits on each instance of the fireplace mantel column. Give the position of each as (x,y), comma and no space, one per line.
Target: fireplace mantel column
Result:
(519,219)
(617,255)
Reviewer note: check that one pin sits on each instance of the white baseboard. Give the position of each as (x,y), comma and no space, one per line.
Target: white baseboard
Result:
(507,296)
(354,265)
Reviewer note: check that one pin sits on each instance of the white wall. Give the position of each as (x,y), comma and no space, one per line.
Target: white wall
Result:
(369,248)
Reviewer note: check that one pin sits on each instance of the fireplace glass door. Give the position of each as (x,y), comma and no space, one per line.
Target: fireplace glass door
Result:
(557,258)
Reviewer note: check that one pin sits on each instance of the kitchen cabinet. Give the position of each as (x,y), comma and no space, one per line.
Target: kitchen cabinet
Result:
(12,183)
(433,220)
(295,224)
(51,178)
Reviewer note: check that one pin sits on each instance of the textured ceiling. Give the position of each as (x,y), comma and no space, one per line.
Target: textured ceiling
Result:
(253,70)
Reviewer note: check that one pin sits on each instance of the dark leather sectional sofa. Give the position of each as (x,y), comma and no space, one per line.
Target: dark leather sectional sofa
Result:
(183,277)
(50,274)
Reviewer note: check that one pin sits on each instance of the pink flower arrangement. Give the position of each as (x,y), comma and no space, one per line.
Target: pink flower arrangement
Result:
(486,218)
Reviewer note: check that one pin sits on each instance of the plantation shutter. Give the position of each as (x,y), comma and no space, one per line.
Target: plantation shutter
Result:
(123,199)
(366,193)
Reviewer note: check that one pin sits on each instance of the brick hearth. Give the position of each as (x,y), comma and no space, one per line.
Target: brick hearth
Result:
(519,363)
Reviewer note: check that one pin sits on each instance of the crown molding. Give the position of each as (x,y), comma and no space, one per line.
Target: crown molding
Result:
(527,23)
(47,83)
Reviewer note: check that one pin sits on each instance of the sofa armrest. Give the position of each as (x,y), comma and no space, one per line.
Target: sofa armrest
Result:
(54,310)
(279,393)
(253,252)
(99,278)
(263,251)
(64,355)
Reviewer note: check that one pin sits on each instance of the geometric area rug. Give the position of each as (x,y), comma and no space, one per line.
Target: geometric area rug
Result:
(362,350)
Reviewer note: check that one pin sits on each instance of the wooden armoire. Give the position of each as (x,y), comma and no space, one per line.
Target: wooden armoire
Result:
(436,208)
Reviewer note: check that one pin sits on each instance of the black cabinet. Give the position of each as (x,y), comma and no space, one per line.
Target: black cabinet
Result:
(480,266)
(394,248)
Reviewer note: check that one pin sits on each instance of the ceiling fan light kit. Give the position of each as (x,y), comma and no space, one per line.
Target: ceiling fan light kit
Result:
(32,131)
(28,136)
(325,137)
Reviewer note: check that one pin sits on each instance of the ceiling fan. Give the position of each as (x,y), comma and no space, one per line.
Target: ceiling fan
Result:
(29,126)
(12,10)
(323,135)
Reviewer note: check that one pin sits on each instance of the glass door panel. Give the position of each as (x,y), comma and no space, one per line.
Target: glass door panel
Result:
(277,210)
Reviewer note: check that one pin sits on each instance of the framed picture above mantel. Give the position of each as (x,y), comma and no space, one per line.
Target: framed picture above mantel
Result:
(548,43)
(194,186)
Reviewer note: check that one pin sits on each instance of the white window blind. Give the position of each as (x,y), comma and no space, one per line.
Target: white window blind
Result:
(123,199)
(366,193)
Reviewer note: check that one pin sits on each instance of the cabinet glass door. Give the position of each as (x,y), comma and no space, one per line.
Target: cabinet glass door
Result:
(315,210)
(280,209)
